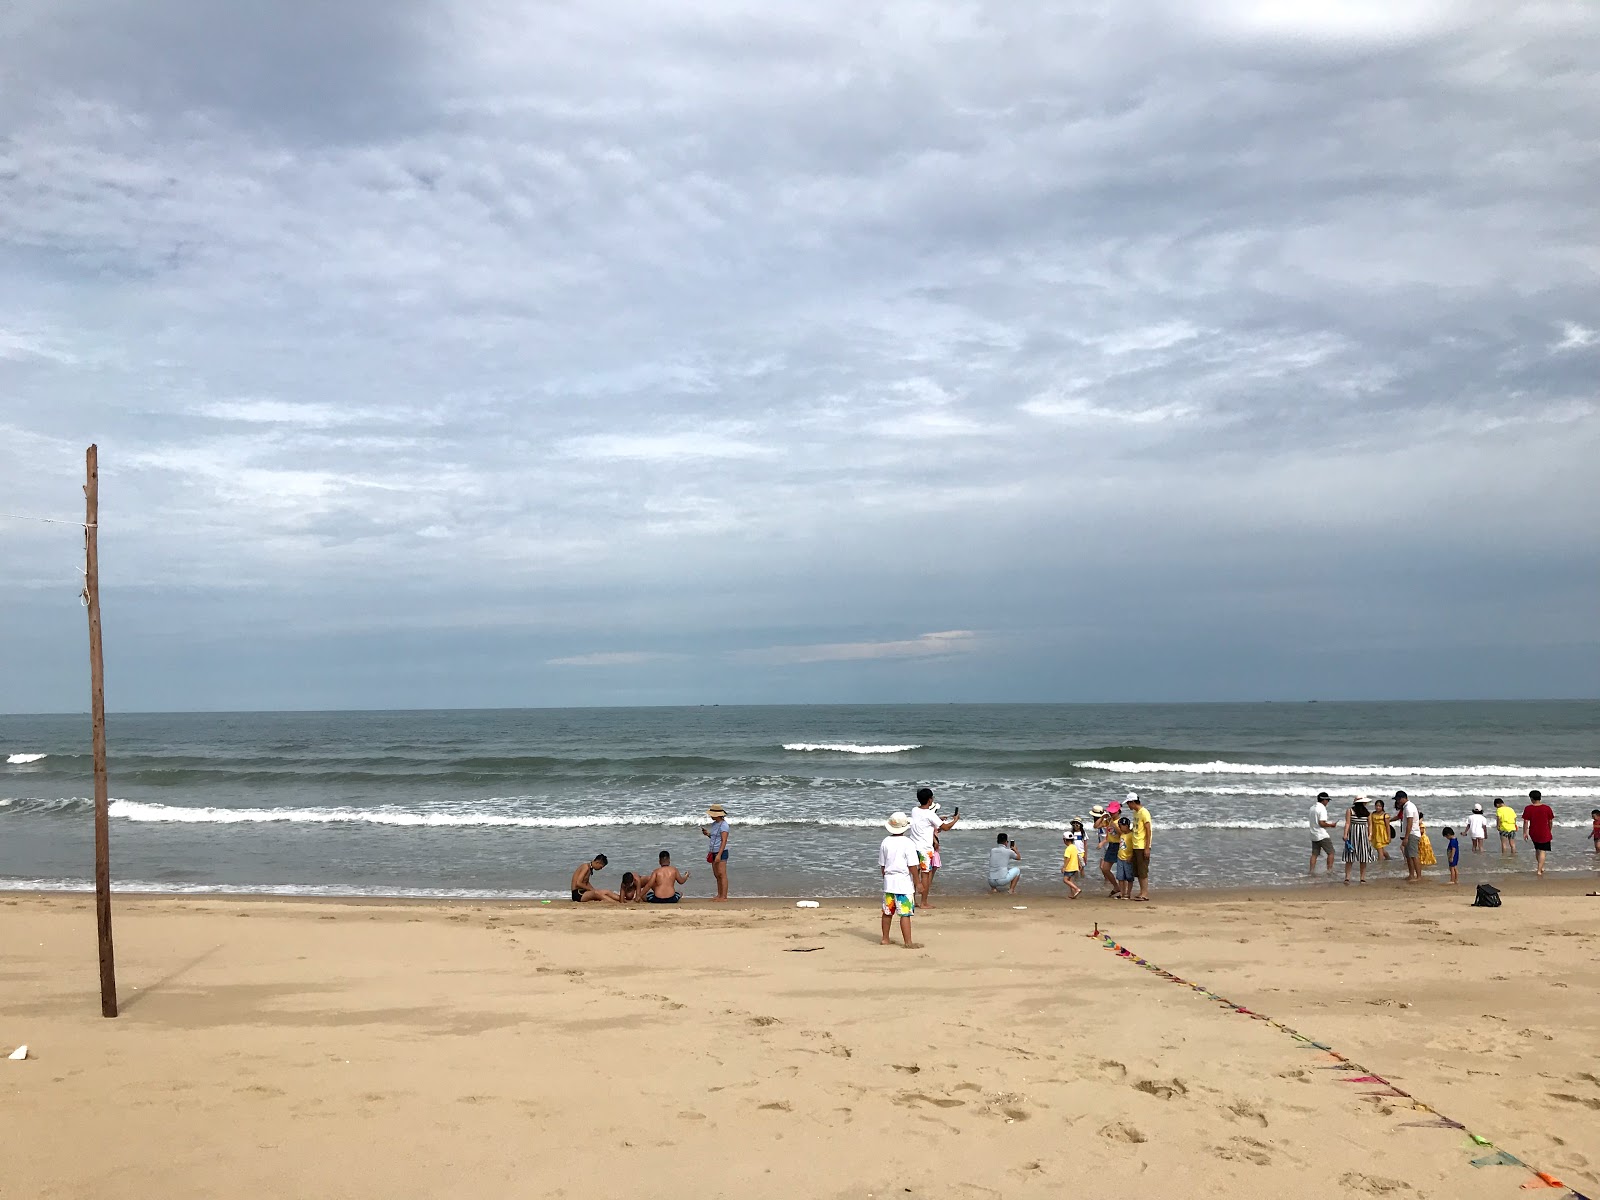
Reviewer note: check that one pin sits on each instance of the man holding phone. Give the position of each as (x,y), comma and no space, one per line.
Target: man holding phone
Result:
(924,835)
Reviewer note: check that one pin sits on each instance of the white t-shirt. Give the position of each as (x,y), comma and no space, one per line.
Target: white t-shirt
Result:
(897,856)
(924,822)
(1000,860)
(1319,814)
(1477,826)
(1410,814)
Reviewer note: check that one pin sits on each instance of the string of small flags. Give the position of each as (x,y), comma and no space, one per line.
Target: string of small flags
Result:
(1383,1090)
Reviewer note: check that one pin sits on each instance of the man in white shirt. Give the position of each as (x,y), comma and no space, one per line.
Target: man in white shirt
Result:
(897,859)
(1321,832)
(1411,832)
(925,825)
(1477,828)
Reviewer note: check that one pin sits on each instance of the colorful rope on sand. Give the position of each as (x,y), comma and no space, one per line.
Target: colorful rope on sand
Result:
(1384,1091)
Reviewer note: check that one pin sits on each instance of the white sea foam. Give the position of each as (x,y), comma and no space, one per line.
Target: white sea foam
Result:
(848,748)
(18,760)
(1309,790)
(335,891)
(1346,771)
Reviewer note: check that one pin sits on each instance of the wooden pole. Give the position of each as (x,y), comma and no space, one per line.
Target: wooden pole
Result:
(97,686)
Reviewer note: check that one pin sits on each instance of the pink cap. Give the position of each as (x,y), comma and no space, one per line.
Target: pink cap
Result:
(1114,807)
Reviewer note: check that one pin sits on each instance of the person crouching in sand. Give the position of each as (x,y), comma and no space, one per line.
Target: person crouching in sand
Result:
(583,888)
(632,888)
(1003,869)
(897,860)
(662,886)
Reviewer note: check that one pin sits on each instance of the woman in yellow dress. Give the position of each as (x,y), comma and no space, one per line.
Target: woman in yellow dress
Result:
(1378,822)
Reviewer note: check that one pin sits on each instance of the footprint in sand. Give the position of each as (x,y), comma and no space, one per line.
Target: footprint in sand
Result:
(912,1099)
(1243,1149)
(1121,1131)
(1588,1101)
(1164,1090)
(777,1106)
(1372,1185)
(1248,1112)
(763,1021)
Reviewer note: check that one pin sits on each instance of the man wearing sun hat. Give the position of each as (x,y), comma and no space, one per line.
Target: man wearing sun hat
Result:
(897,864)
(717,853)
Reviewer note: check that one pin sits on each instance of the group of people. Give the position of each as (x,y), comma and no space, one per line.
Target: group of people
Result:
(1369,829)
(662,885)
(908,859)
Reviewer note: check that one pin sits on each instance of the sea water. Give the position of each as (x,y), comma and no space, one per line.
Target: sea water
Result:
(506,803)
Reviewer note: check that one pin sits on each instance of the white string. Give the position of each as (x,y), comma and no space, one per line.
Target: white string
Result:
(45,520)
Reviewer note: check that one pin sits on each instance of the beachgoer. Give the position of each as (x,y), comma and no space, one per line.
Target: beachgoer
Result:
(1477,828)
(1072,864)
(717,852)
(1124,868)
(897,859)
(1505,819)
(1102,846)
(1003,869)
(1074,832)
(1452,853)
(925,830)
(1594,829)
(1143,830)
(632,891)
(1425,856)
(1113,850)
(1358,838)
(1321,832)
(1538,822)
(583,888)
(1379,829)
(662,886)
(1411,836)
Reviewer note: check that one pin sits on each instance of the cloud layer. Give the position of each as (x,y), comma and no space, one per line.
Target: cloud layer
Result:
(442,348)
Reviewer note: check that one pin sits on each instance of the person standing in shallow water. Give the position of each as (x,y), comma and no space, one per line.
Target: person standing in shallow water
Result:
(1378,829)
(1358,838)
(717,851)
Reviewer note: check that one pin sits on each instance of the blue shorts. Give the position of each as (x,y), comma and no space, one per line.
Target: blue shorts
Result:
(652,898)
(1110,854)
(1123,871)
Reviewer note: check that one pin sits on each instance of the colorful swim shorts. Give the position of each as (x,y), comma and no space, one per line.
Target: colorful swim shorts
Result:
(924,859)
(895,904)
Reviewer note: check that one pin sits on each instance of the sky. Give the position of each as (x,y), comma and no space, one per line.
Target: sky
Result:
(708,351)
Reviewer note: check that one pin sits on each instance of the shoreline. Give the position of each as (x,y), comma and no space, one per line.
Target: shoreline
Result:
(1319,891)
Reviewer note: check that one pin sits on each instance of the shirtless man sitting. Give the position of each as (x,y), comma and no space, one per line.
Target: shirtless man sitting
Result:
(583,888)
(662,886)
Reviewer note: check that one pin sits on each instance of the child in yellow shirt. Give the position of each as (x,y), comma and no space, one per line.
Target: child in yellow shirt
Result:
(1071,865)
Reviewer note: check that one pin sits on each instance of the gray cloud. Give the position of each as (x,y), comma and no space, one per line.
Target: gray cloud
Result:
(705,331)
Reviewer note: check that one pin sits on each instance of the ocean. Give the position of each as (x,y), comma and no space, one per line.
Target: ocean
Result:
(505,803)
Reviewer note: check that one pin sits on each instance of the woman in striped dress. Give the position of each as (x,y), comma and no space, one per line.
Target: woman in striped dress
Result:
(1357,839)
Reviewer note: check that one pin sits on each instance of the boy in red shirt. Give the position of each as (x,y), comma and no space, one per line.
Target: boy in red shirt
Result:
(1538,821)
(1595,832)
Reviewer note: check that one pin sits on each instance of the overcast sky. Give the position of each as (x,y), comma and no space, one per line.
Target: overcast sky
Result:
(446,353)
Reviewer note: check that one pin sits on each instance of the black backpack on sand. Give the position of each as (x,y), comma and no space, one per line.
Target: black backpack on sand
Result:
(1488,896)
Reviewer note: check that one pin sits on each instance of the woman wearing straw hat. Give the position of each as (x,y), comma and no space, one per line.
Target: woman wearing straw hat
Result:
(717,854)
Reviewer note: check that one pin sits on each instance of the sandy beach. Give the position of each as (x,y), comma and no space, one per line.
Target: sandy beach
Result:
(319,1049)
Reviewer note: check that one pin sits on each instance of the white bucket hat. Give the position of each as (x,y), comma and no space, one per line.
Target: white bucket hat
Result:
(897,823)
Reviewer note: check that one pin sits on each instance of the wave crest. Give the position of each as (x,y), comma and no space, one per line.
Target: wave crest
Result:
(1346,771)
(18,760)
(847,748)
